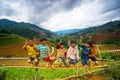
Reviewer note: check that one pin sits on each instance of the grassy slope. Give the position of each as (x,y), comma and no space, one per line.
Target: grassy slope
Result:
(11,45)
(8,39)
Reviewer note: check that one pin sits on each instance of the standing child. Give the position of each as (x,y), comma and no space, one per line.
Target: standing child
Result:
(94,53)
(73,53)
(44,51)
(61,54)
(29,46)
(86,50)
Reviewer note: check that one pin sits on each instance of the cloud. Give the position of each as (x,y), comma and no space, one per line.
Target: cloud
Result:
(61,14)
(14,10)
(88,14)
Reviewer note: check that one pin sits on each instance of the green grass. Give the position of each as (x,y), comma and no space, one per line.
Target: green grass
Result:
(8,39)
(110,56)
(29,74)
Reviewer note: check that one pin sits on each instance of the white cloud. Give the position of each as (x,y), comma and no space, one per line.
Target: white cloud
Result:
(20,11)
(89,14)
(61,14)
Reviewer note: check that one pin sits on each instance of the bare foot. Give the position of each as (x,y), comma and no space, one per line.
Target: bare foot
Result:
(89,72)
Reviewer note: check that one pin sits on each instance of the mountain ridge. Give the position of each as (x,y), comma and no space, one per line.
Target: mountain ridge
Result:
(24,29)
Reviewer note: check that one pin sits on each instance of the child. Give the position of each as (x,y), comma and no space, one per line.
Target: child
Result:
(61,54)
(29,46)
(44,51)
(72,53)
(94,53)
(86,50)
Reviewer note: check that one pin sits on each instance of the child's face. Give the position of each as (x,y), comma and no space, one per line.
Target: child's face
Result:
(44,42)
(61,46)
(93,44)
(73,44)
(87,45)
(30,42)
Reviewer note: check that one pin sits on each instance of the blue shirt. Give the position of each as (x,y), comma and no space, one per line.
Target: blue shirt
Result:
(44,49)
(85,52)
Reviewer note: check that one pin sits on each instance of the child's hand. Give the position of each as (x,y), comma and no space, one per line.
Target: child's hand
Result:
(60,40)
(68,37)
(81,37)
(90,37)
(90,55)
(26,42)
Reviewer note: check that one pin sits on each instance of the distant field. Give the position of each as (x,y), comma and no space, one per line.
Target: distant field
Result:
(11,46)
(8,39)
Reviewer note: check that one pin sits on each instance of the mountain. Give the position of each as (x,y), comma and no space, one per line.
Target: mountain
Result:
(27,30)
(108,33)
(65,32)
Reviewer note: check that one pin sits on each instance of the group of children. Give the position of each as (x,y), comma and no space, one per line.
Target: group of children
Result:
(42,51)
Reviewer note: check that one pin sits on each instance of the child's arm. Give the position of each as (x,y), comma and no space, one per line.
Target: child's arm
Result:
(89,38)
(24,46)
(57,46)
(37,51)
(81,40)
(68,40)
(68,51)
(77,55)
(49,53)
(94,53)
(59,42)
(34,46)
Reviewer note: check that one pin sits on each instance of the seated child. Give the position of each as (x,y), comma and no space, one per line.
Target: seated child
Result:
(86,50)
(29,46)
(61,54)
(73,53)
(44,51)
(94,53)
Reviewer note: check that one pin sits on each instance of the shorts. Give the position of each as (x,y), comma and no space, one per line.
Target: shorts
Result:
(32,58)
(73,61)
(47,58)
(93,58)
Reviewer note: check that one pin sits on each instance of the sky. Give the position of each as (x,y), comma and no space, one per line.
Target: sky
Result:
(58,15)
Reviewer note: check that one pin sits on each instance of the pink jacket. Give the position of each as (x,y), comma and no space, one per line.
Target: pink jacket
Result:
(73,53)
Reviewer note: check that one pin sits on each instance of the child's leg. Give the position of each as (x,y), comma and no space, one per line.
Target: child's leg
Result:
(75,61)
(85,63)
(70,62)
(87,69)
(30,61)
(64,61)
(52,58)
(36,61)
(60,61)
(94,60)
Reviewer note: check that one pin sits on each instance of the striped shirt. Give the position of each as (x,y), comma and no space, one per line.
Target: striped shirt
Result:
(44,49)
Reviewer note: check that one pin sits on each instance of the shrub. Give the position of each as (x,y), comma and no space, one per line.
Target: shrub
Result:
(3,72)
(113,72)
(110,56)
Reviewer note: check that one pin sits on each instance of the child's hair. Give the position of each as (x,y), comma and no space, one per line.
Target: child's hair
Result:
(90,43)
(61,43)
(43,39)
(93,42)
(30,39)
(73,42)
